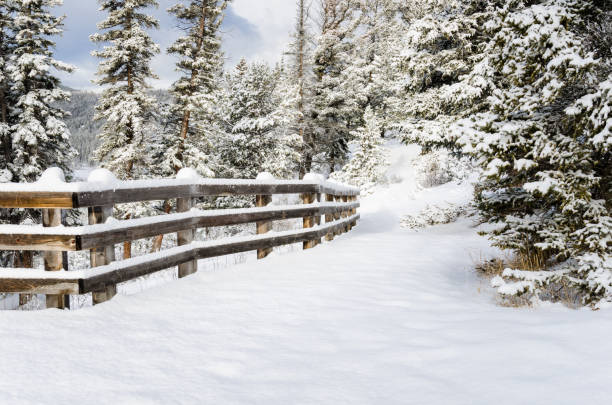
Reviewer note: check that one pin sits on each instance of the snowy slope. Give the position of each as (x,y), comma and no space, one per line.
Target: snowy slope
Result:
(383,315)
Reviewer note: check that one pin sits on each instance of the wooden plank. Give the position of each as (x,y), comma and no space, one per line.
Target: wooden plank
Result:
(84,199)
(262,200)
(185,237)
(102,255)
(21,199)
(132,231)
(137,267)
(39,286)
(58,243)
(142,267)
(54,261)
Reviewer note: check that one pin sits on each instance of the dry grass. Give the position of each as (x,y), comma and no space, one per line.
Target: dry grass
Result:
(560,291)
(496,266)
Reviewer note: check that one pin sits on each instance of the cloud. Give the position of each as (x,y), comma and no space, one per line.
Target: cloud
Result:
(253,29)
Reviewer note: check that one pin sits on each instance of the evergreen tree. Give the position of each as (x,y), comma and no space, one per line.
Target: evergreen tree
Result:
(300,73)
(7,44)
(40,138)
(443,69)
(336,110)
(192,123)
(125,104)
(545,145)
(368,165)
(249,121)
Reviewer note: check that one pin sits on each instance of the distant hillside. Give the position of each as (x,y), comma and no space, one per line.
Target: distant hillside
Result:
(81,122)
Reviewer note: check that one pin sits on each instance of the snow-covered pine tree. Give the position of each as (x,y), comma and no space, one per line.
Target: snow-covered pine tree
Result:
(249,121)
(193,122)
(369,162)
(336,111)
(125,104)
(40,138)
(7,43)
(285,159)
(372,67)
(545,147)
(443,68)
(300,73)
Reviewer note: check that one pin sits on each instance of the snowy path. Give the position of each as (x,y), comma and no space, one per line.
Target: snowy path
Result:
(381,316)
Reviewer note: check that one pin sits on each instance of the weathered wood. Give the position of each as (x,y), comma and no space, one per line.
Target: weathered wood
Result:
(329,217)
(54,261)
(28,286)
(118,196)
(338,215)
(185,237)
(11,241)
(102,255)
(134,230)
(22,199)
(131,269)
(317,217)
(138,267)
(309,221)
(263,226)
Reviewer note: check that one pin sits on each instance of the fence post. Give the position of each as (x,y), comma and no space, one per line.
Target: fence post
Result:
(338,215)
(346,213)
(185,238)
(329,218)
(262,200)
(101,256)
(104,255)
(54,261)
(308,221)
(353,210)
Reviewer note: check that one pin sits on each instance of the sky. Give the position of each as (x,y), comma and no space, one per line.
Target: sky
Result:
(254,29)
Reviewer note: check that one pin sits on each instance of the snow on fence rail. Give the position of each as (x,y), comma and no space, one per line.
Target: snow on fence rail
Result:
(102,192)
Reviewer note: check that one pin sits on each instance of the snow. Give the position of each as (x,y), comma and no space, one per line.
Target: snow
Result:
(381,315)
(265,176)
(97,181)
(103,176)
(187,173)
(52,176)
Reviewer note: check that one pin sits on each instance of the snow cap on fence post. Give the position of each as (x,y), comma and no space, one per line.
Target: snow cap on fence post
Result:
(52,175)
(265,176)
(314,178)
(187,173)
(104,176)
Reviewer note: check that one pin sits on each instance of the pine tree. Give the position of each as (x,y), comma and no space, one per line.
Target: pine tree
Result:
(545,146)
(125,104)
(336,111)
(7,43)
(369,162)
(300,73)
(249,121)
(193,116)
(443,69)
(40,138)
(372,67)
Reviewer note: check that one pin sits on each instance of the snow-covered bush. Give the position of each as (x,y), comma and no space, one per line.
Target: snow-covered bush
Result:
(433,215)
(440,167)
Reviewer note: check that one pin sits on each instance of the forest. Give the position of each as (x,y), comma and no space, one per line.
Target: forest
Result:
(519,92)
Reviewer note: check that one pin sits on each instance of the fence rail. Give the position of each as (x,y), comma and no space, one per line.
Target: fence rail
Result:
(100,236)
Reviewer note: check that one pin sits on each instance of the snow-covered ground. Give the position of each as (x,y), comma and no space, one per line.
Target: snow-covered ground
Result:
(383,315)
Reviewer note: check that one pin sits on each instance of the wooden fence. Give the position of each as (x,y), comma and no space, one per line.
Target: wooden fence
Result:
(99,237)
